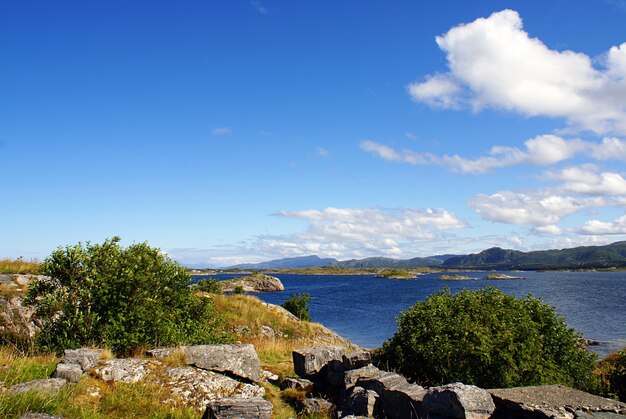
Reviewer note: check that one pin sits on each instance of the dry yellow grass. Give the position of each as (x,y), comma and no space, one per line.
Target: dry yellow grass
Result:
(19,266)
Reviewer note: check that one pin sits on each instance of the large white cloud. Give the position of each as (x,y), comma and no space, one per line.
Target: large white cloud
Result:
(599,228)
(588,180)
(543,150)
(493,62)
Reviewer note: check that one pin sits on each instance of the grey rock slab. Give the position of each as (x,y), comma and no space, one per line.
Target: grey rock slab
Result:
(356,360)
(87,358)
(362,402)
(383,382)
(239,360)
(231,408)
(71,372)
(352,376)
(597,415)
(196,387)
(300,384)
(313,362)
(128,370)
(46,385)
(161,353)
(403,402)
(317,406)
(458,400)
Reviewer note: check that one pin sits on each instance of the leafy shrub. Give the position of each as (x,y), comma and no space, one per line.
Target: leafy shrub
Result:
(238,289)
(614,374)
(298,305)
(210,285)
(122,298)
(486,338)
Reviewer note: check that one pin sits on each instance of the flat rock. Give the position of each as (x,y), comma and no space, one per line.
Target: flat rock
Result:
(231,408)
(241,361)
(71,372)
(46,385)
(458,400)
(300,384)
(403,402)
(313,362)
(128,370)
(161,353)
(361,402)
(552,400)
(356,359)
(196,387)
(317,406)
(383,382)
(87,358)
(352,376)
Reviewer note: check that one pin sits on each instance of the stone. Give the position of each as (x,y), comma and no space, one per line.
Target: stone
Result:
(362,402)
(71,372)
(161,353)
(383,382)
(46,385)
(317,406)
(196,387)
(458,400)
(597,415)
(313,362)
(269,376)
(87,358)
(300,384)
(239,360)
(352,376)
(403,402)
(357,359)
(227,408)
(253,283)
(335,373)
(128,370)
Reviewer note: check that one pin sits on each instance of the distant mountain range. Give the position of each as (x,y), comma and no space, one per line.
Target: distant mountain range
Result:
(584,257)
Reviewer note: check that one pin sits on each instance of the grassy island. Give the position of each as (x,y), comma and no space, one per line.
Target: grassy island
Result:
(455,277)
(395,274)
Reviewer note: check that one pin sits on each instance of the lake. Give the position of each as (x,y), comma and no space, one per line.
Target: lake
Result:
(363,308)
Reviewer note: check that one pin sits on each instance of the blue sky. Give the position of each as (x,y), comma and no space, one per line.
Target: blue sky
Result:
(241,131)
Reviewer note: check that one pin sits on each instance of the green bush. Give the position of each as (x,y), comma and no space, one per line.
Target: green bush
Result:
(298,305)
(486,338)
(615,377)
(121,298)
(210,285)
(238,289)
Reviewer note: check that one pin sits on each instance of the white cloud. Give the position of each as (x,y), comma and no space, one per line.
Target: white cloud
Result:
(258,7)
(549,229)
(493,62)
(543,150)
(220,131)
(597,227)
(536,208)
(322,152)
(588,181)
(410,136)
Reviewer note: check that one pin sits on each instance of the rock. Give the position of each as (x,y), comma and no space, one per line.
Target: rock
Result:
(196,387)
(335,373)
(129,370)
(268,376)
(351,377)
(253,283)
(313,362)
(356,360)
(596,415)
(403,402)
(316,406)
(238,408)
(553,401)
(300,384)
(46,385)
(70,372)
(161,353)
(458,400)
(32,415)
(87,358)
(361,402)
(281,310)
(239,360)
(382,382)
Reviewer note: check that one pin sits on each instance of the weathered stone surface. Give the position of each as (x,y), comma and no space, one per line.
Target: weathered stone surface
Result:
(352,376)
(268,376)
(32,415)
(300,384)
(403,402)
(46,385)
(313,362)
(231,408)
(382,382)
(458,400)
(238,360)
(361,402)
(196,387)
(161,353)
(597,415)
(554,401)
(316,406)
(335,373)
(129,370)
(253,283)
(87,358)
(268,332)
(356,360)
(71,372)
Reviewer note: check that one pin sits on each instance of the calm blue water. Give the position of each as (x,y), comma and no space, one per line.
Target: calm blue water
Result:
(363,308)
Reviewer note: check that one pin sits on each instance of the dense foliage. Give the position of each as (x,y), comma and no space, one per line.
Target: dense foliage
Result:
(486,338)
(121,298)
(209,285)
(298,305)
(614,374)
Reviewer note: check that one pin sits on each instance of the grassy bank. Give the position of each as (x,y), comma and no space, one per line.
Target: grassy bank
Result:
(19,266)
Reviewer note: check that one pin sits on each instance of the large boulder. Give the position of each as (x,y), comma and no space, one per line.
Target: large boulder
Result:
(317,407)
(458,401)
(70,372)
(361,402)
(241,361)
(253,283)
(312,363)
(87,358)
(403,402)
(231,408)
(351,377)
(357,359)
(46,385)
(382,382)
(299,384)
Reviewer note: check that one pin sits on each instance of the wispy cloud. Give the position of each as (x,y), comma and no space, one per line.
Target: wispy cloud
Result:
(322,152)
(258,7)
(221,131)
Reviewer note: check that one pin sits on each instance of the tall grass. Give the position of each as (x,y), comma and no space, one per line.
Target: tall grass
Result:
(19,266)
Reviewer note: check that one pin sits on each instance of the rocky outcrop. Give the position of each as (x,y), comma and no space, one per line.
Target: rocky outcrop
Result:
(458,401)
(253,283)
(128,370)
(76,362)
(46,385)
(230,408)
(313,363)
(16,320)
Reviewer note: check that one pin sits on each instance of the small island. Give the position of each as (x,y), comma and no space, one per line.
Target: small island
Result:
(499,276)
(455,277)
(395,274)
(257,282)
